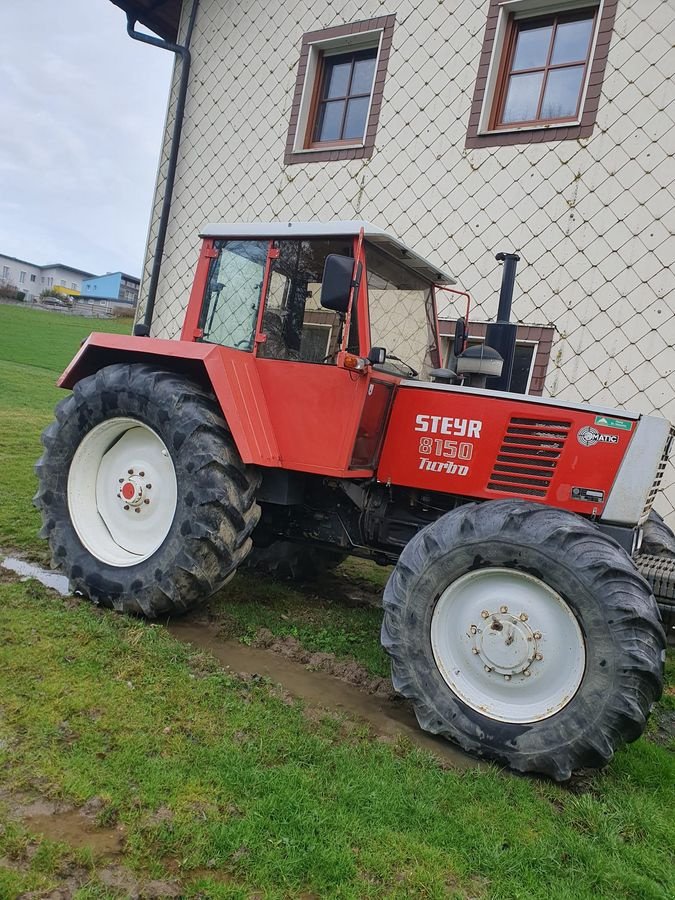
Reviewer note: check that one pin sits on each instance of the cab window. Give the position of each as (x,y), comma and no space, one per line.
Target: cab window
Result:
(402,318)
(295,326)
(234,284)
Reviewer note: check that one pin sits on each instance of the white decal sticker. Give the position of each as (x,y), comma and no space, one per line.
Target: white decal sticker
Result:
(435,465)
(589,437)
(448,425)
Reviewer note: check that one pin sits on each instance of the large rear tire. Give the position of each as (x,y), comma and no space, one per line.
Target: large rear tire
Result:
(525,635)
(145,501)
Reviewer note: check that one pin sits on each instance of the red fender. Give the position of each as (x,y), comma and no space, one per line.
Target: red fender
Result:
(231,374)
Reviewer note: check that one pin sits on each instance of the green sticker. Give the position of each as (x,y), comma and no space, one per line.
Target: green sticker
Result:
(622,424)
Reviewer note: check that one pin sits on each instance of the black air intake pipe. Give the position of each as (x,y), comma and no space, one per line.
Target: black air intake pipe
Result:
(501,335)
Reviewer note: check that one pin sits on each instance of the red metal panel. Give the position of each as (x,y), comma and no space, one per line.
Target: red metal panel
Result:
(191,330)
(487,447)
(234,376)
(315,411)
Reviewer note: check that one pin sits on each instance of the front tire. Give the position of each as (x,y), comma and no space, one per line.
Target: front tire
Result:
(144,499)
(493,591)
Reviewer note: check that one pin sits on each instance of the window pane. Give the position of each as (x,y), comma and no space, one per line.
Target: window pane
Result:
(522,97)
(337,79)
(571,41)
(232,293)
(296,325)
(329,121)
(362,80)
(522,363)
(355,121)
(561,97)
(532,47)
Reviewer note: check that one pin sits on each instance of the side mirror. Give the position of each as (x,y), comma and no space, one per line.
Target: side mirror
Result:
(460,337)
(336,283)
(377,356)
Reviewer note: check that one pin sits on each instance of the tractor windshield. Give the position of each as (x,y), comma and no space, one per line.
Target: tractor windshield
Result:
(232,297)
(402,316)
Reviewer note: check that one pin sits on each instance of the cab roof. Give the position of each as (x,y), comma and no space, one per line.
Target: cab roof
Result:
(372,234)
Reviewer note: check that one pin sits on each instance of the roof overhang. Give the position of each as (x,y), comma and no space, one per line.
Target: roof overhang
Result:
(372,234)
(160,16)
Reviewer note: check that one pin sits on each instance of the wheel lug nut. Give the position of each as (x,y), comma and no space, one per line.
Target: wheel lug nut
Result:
(146,500)
(523,617)
(503,609)
(527,673)
(484,614)
(474,650)
(121,480)
(142,474)
(473,629)
(488,668)
(507,678)
(126,507)
(130,471)
(148,486)
(537,635)
(138,509)
(538,655)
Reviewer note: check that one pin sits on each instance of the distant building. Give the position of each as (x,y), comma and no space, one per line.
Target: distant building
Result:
(115,287)
(32,279)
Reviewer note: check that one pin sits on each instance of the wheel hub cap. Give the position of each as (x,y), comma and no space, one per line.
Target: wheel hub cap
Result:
(507,645)
(122,491)
(131,491)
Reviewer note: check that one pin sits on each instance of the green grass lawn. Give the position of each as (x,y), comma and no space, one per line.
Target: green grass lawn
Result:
(224,786)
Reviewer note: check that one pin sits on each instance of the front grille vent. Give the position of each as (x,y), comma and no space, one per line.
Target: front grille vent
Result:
(528,456)
(656,486)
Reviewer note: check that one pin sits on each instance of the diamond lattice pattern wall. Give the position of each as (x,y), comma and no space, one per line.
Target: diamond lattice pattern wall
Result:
(592,219)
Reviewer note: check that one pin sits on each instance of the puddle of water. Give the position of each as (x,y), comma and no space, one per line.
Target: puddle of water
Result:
(318,689)
(28,570)
(74,829)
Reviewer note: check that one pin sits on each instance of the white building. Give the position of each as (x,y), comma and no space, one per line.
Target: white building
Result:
(465,127)
(31,279)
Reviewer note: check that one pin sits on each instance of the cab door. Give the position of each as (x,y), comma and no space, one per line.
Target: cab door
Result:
(314,404)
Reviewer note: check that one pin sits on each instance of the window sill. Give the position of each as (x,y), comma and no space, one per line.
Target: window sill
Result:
(328,148)
(543,126)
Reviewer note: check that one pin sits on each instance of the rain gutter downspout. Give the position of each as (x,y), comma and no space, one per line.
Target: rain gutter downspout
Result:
(182,50)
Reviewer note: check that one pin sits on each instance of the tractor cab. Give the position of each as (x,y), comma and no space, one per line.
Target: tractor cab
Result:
(323,294)
(321,322)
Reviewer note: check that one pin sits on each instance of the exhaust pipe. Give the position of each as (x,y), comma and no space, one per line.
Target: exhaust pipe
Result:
(501,335)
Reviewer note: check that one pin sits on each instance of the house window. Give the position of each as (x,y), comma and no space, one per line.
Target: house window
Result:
(345,90)
(531,358)
(545,69)
(540,72)
(73,285)
(22,277)
(338,92)
(5,271)
(32,278)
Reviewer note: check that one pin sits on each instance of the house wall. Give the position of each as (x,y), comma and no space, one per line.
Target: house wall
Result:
(58,275)
(592,218)
(105,286)
(10,274)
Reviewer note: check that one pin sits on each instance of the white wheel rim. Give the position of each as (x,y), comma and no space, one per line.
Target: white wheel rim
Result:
(122,492)
(508,645)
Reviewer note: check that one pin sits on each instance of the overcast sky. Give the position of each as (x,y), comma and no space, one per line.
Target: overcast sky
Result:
(82,111)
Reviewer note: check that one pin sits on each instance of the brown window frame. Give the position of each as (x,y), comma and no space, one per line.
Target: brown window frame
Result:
(483,131)
(506,70)
(318,99)
(299,149)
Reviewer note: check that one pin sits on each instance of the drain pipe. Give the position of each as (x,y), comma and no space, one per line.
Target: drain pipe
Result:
(143,328)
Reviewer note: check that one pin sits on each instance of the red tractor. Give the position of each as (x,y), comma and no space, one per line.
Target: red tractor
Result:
(305,412)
